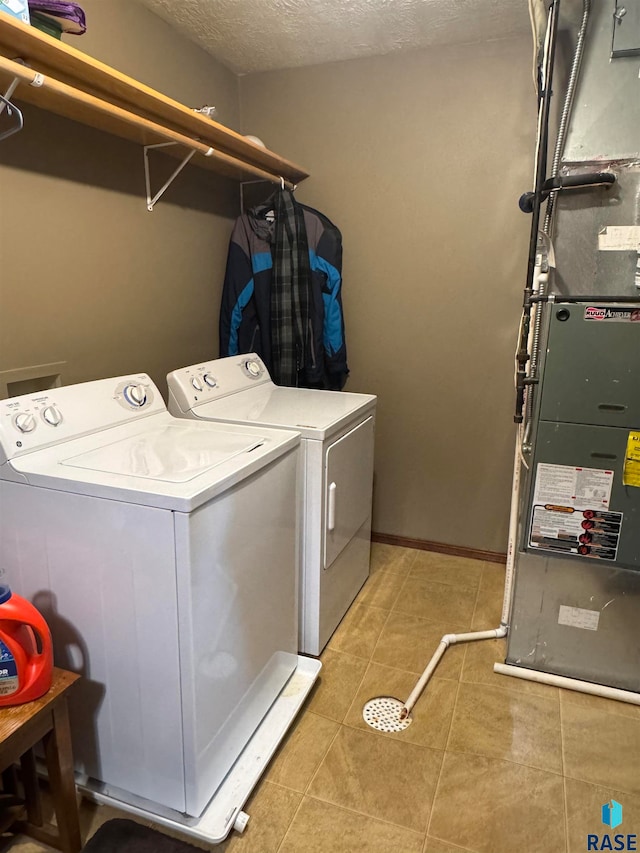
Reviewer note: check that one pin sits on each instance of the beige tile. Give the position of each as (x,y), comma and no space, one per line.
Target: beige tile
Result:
(488,610)
(271,810)
(504,724)
(584,811)
(493,577)
(601,745)
(408,642)
(337,684)
(445,568)
(432,712)
(391,558)
(599,704)
(434,845)
(379,777)
(320,827)
(304,748)
(381,590)
(478,667)
(358,632)
(492,806)
(437,602)
(23,844)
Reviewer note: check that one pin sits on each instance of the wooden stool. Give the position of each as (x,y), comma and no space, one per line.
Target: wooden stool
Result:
(21,727)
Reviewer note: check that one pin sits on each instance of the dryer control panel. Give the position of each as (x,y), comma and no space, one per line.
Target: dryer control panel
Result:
(34,421)
(211,380)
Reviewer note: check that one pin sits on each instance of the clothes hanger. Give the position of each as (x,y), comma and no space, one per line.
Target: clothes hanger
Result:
(11,110)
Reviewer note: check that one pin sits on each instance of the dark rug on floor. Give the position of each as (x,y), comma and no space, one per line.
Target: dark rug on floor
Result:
(127,836)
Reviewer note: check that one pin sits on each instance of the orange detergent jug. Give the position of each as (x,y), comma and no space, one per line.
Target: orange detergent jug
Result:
(26,652)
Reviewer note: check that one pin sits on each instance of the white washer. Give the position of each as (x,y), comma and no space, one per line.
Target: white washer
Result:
(337,451)
(163,555)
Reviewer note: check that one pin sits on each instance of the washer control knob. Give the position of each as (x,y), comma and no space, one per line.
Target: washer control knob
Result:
(209,379)
(52,416)
(253,368)
(135,395)
(196,383)
(25,422)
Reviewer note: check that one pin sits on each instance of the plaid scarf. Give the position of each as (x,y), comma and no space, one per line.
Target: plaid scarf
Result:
(290,291)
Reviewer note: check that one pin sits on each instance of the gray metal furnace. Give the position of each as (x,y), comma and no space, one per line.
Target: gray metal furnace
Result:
(577,596)
(576,599)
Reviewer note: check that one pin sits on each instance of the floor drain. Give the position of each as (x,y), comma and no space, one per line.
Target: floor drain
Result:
(383,714)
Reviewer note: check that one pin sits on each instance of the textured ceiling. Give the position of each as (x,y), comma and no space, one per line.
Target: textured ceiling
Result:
(261,35)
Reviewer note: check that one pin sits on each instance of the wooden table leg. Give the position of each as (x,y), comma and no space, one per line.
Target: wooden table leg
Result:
(58,753)
(33,799)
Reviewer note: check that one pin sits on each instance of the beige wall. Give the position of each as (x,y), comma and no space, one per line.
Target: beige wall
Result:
(419,159)
(87,274)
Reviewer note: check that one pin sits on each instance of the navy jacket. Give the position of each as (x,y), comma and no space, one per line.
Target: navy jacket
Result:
(245,314)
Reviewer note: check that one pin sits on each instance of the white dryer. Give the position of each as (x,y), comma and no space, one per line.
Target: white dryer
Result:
(337,450)
(163,555)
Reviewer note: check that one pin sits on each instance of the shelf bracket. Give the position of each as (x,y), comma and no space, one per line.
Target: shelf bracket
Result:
(152,200)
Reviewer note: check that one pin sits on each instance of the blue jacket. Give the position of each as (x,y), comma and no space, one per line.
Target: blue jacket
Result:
(246,301)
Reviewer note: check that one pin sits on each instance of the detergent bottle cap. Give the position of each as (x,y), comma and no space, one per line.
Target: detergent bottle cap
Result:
(5,593)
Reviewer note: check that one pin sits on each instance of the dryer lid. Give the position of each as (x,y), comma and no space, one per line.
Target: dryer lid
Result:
(314,413)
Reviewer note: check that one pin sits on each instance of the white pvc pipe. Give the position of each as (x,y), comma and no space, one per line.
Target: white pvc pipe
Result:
(495,633)
(445,642)
(568,683)
(513,537)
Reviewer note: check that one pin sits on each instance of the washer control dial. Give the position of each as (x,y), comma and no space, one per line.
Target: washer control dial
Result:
(253,368)
(209,379)
(196,383)
(135,395)
(52,416)
(25,422)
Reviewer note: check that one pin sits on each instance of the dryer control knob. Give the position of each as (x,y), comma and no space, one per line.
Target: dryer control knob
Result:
(211,382)
(52,416)
(135,395)
(196,383)
(24,422)
(253,368)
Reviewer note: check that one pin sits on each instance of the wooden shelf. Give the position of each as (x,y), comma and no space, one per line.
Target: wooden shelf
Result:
(79,87)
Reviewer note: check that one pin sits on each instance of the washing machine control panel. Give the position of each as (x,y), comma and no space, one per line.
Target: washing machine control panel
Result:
(201,383)
(34,421)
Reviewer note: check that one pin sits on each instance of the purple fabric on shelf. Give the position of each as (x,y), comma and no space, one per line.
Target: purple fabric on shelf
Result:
(70,16)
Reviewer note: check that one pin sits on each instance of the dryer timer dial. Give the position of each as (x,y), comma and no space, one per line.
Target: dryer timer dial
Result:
(253,368)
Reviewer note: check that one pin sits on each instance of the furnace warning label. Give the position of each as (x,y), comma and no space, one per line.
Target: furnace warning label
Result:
(631,472)
(577,488)
(590,533)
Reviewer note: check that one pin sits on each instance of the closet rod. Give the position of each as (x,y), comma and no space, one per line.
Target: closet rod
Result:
(65,100)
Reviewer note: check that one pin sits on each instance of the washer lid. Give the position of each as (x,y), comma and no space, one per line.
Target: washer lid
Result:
(156,461)
(314,413)
(165,453)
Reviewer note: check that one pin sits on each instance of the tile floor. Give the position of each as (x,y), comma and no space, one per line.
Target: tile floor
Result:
(490,764)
